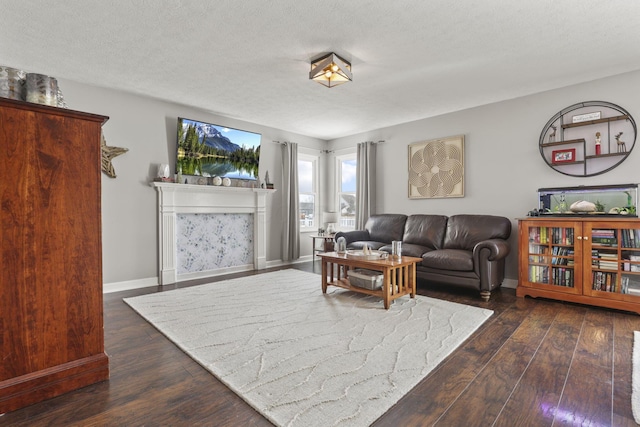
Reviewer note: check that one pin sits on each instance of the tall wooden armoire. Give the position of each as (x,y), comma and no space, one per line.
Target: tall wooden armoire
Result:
(51,312)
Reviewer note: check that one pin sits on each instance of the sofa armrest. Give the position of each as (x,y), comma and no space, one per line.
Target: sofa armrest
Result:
(498,249)
(353,236)
(489,262)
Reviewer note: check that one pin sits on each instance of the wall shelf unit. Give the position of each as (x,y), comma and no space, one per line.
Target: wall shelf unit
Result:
(566,129)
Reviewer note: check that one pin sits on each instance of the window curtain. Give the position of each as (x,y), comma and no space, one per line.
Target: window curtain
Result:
(365,183)
(291,223)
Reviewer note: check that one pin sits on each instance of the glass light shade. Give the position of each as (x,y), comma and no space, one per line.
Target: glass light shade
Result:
(330,70)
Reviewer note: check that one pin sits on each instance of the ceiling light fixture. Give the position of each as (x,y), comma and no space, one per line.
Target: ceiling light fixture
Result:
(330,70)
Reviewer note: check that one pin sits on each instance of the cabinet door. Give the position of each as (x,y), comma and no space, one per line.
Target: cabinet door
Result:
(552,256)
(612,260)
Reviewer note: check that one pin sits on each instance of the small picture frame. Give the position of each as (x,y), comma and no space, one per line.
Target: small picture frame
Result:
(587,117)
(563,156)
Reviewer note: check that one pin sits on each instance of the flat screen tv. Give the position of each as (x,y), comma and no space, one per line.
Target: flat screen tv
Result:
(205,149)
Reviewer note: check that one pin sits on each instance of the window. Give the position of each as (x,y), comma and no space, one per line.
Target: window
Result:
(307,191)
(346,168)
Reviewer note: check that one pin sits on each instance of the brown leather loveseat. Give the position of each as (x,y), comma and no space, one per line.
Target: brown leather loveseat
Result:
(460,250)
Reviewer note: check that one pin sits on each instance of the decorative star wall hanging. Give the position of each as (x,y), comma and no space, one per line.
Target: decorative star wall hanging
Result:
(108,153)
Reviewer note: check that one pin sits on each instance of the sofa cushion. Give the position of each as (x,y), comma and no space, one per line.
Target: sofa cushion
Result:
(385,227)
(465,231)
(449,259)
(408,249)
(425,230)
(370,244)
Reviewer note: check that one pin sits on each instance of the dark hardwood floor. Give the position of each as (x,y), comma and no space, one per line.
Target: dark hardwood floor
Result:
(534,363)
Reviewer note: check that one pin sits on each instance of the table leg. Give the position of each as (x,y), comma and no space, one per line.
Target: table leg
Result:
(386,288)
(324,276)
(412,273)
(313,248)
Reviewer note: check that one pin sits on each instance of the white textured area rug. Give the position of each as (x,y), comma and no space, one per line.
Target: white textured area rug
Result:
(302,358)
(635,377)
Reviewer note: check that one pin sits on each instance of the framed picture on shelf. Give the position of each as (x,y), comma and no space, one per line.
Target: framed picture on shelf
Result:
(563,156)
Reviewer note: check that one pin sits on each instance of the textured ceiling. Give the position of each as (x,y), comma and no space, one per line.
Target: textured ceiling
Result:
(249,59)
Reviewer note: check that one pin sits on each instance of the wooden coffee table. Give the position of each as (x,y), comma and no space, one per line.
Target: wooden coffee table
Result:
(399,275)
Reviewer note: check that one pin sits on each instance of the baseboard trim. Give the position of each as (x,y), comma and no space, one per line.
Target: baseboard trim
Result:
(153,281)
(213,273)
(281,263)
(128,285)
(510,283)
(149,282)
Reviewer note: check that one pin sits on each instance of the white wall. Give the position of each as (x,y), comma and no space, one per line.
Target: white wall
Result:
(147,127)
(503,165)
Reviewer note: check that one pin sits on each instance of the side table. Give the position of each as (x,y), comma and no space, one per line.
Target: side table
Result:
(327,243)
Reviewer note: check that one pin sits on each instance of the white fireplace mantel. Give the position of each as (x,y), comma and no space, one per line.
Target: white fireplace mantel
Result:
(174,199)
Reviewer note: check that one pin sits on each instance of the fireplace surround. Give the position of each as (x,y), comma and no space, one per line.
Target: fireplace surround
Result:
(178,199)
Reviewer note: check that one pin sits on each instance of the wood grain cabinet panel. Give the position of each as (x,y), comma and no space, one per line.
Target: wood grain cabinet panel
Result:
(51,307)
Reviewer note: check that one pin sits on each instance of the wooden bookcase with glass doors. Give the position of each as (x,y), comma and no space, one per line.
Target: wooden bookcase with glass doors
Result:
(585,260)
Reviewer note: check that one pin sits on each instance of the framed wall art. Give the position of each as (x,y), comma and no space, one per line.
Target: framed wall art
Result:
(436,168)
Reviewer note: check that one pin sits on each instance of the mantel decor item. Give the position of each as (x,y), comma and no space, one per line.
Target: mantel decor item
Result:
(330,70)
(567,143)
(163,170)
(12,83)
(436,168)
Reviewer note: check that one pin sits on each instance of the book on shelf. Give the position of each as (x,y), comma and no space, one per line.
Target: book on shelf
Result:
(604,260)
(562,236)
(608,255)
(562,277)
(603,233)
(604,281)
(608,266)
(539,274)
(604,237)
(534,234)
(629,286)
(562,255)
(628,238)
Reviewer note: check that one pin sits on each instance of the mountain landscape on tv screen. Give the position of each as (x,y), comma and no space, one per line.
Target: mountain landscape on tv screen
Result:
(205,150)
